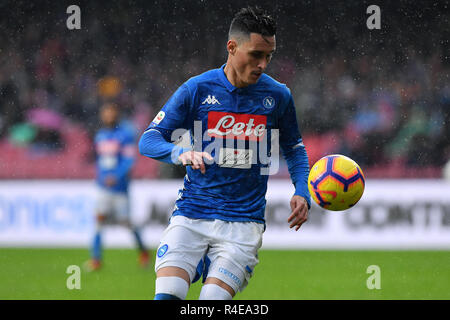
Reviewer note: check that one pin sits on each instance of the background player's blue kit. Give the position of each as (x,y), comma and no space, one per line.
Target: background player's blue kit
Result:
(115,151)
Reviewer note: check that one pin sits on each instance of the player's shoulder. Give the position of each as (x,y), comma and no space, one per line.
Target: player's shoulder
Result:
(207,77)
(125,131)
(121,133)
(269,83)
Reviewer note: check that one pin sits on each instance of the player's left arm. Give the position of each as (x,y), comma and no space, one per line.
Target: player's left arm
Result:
(294,152)
(128,156)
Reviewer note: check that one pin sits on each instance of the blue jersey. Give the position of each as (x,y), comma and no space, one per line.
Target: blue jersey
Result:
(115,151)
(235,126)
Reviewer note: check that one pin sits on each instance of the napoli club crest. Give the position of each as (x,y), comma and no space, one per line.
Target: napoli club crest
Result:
(268,102)
(162,250)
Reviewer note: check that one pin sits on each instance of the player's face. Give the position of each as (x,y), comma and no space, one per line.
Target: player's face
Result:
(252,57)
(109,116)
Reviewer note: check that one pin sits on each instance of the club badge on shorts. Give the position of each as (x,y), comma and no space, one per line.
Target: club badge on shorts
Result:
(162,250)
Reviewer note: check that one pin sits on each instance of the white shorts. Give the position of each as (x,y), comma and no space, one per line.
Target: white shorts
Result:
(212,248)
(113,205)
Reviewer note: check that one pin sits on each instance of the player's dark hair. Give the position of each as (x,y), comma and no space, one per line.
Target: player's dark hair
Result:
(252,20)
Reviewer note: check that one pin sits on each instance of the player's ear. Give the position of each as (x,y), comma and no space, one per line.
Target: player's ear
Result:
(231,46)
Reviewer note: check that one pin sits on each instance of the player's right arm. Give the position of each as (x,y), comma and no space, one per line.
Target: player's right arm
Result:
(195,159)
(156,142)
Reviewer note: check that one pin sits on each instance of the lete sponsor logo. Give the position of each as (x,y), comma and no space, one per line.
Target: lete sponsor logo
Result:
(236,126)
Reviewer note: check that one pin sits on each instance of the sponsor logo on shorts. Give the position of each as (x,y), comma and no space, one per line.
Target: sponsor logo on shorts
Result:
(230,275)
(162,250)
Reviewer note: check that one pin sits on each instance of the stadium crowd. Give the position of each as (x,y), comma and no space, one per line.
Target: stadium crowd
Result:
(382,97)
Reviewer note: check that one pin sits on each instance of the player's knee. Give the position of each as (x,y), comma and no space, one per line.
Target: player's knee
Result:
(125,223)
(100,221)
(100,218)
(212,291)
(172,271)
(171,288)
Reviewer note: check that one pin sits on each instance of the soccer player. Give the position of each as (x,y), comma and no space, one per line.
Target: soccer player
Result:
(115,156)
(216,227)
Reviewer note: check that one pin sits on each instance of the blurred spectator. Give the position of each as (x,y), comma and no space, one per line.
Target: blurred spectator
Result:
(381,97)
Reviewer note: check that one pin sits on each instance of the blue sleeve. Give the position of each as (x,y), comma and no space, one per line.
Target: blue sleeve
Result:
(156,142)
(153,145)
(294,150)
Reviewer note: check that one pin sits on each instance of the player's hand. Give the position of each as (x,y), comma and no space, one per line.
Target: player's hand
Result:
(195,159)
(299,213)
(110,181)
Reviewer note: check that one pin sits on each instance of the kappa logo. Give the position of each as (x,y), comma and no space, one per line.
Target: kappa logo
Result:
(268,102)
(211,100)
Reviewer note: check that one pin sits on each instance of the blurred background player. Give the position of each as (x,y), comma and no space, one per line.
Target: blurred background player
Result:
(115,156)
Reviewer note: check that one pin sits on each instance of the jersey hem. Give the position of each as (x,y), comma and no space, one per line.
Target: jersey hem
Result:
(215,216)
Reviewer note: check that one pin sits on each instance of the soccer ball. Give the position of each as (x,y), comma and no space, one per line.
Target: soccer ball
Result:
(336,182)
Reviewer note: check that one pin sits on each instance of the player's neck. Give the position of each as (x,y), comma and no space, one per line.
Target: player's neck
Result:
(233,77)
(110,125)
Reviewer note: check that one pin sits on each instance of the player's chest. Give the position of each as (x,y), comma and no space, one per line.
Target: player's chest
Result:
(236,114)
(108,145)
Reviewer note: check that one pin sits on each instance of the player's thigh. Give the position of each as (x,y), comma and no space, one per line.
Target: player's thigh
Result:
(183,245)
(104,205)
(234,255)
(121,208)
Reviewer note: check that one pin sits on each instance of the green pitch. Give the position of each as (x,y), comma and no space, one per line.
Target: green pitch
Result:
(298,275)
